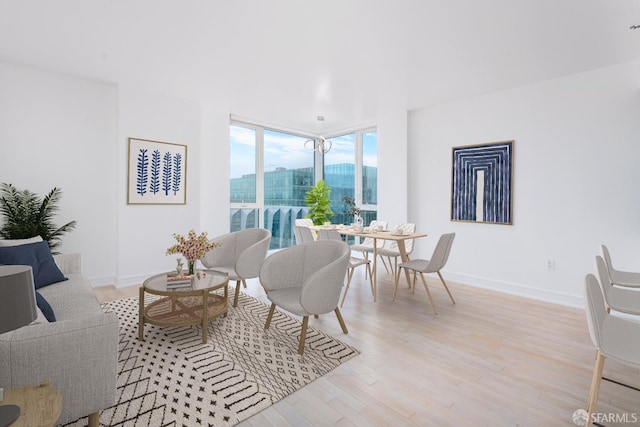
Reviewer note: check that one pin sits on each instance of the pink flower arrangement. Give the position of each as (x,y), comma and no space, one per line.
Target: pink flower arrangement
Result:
(193,247)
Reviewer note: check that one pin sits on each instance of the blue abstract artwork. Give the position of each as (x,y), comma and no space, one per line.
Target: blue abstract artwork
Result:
(481,185)
(157,172)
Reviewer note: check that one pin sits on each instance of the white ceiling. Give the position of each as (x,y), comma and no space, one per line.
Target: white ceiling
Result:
(286,61)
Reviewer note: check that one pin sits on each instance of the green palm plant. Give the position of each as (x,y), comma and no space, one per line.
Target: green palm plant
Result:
(319,203)
(26,215)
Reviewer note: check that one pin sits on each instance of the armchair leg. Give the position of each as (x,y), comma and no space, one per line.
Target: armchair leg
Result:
(446,287)
(94,419)
(341,320)
(269,316)
(303,334)
(237,295)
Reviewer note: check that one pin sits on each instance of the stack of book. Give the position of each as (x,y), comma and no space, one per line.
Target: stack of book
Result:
(174,282)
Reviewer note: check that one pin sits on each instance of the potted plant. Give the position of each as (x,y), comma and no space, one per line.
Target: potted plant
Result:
(352,209)
(193,247)
(319,204)
(27,215)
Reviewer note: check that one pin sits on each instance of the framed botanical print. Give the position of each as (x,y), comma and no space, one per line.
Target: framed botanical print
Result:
(157,173)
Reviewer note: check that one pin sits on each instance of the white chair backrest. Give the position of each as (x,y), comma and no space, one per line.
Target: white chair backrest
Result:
(304,222)
(319,268)
(244,250)
(305,234)
(441,252)
(603,276)
(329,235)
(407,227)
(607,259)
(595,309)
(373,225)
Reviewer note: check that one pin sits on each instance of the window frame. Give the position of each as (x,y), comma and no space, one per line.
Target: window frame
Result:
(318,162)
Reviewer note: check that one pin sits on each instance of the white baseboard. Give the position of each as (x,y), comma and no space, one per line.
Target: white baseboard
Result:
(101,281)
(561,298)
(119,282)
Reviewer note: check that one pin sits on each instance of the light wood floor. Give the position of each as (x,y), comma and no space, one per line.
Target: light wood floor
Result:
(490,360)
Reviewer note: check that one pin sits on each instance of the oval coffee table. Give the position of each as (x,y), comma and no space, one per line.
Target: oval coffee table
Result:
(184,305)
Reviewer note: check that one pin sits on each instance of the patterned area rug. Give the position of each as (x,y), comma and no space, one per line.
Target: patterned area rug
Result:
(172,379)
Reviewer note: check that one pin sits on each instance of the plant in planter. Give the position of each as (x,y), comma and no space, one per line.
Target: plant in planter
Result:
(352,210)
(26,215)
(319,204)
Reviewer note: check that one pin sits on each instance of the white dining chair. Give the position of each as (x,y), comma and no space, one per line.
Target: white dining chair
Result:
(302,232)
(390,249)
(618,298)
(434,265)
(615,337)
(366,247)
(354,262)
(618,277)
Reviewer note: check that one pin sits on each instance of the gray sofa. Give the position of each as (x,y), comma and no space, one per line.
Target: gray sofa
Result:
(77,353)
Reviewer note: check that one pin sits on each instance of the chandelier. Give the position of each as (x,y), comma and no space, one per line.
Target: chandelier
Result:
(321,144)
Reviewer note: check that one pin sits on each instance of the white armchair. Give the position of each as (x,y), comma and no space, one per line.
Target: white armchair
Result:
(240,255)
(306,280)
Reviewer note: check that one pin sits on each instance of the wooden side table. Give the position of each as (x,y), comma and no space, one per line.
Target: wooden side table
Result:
(40,406)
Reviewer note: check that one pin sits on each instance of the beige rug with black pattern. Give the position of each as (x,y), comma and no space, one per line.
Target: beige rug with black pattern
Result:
(172,379)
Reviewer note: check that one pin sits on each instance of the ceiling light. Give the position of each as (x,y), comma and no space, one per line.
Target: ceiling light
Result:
(321,144)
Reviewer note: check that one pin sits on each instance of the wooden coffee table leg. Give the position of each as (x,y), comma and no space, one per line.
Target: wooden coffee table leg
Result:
(205,316)
(141,315)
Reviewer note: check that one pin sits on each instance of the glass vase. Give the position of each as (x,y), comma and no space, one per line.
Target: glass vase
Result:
(192,267)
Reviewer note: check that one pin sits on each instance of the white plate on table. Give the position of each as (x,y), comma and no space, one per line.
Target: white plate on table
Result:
(399,234)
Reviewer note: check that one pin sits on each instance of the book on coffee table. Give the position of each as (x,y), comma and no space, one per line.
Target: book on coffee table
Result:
(178,282)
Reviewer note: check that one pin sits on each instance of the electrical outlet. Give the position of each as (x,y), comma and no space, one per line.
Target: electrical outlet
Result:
(551,264)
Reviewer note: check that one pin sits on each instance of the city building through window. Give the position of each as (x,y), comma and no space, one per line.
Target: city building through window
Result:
(272,170)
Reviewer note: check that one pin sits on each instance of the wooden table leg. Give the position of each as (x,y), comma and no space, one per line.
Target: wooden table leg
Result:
(374,274)
(404,257)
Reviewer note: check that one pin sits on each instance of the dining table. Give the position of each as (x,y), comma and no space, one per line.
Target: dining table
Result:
(375,235)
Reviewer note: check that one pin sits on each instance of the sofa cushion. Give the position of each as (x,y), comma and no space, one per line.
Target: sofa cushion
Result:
(72,299)
(18,242)
(44,306)
(38,256)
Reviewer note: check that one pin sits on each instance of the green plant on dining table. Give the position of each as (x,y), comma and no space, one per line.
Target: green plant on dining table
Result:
(319,203)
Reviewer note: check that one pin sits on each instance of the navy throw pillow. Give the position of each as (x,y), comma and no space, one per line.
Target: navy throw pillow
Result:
(38,256)
(45,308)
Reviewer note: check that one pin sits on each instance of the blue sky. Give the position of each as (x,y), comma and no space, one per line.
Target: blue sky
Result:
(287,151)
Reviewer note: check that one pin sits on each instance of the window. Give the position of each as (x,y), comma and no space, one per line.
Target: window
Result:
(271,172)
(351,169)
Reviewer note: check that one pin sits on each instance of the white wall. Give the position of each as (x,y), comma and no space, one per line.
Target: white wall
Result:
(59,131)
(576,182)
(145,231)
(392,166)
(215,172)
(71,133)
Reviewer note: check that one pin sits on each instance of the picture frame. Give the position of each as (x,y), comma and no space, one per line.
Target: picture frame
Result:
(482,183)
(157,173)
